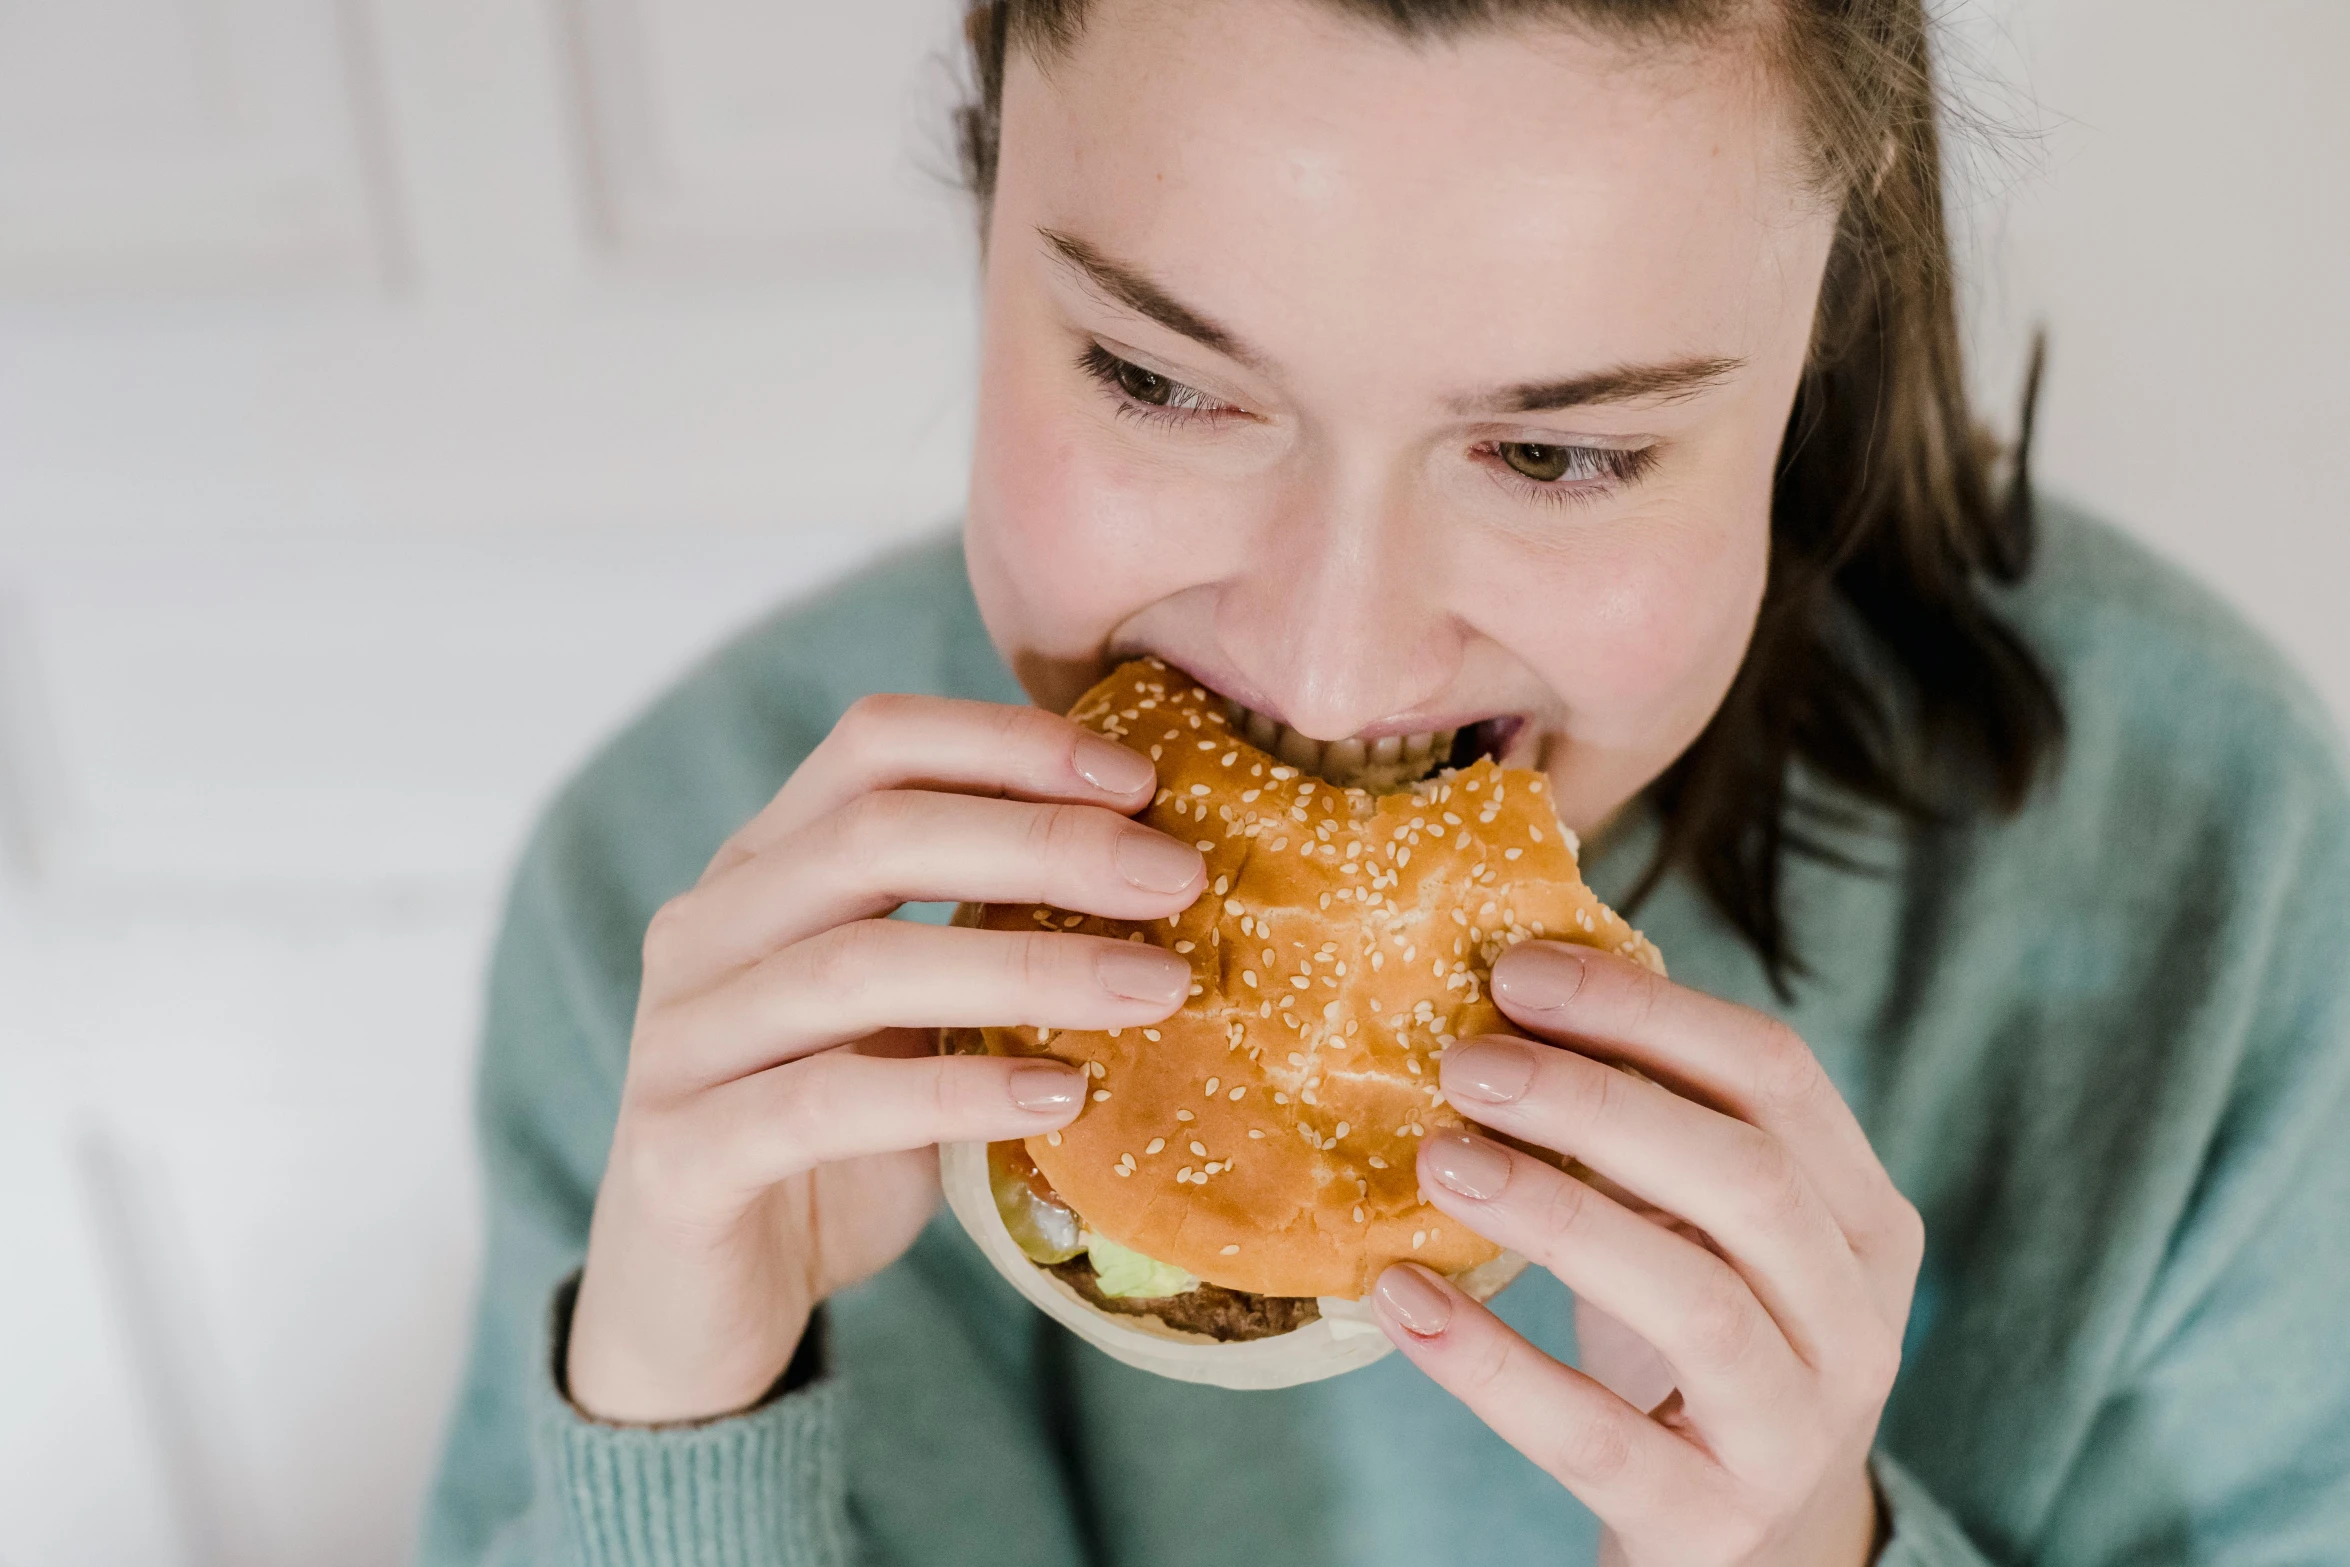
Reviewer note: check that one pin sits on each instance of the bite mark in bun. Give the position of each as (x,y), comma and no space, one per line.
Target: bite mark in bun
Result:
(1263,1139)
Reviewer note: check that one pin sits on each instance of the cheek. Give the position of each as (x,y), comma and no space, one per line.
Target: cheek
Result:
(1641,639)
(1065,543)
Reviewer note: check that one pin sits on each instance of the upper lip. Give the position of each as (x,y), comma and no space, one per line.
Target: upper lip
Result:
(1233,689)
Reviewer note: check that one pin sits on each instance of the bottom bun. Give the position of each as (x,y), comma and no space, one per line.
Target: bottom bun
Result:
(1343,1338)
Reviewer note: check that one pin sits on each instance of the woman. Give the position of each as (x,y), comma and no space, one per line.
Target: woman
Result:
(1584,370)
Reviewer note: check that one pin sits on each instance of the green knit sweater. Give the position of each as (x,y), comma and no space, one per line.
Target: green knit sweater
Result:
(2104,1046)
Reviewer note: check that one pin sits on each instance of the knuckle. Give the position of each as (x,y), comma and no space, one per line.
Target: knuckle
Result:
(1905,1233)
(1770,1182)
(871,715)
(1486,1365)
(1786,1073)
(1590,1094)
(1033,963)
(1597,1450)
(1056,832)
(863,832)
(1722,1323)
(1644,993)
(665,1165)
(839,962)
(1563,1208)
(1875,1366)
(664,934)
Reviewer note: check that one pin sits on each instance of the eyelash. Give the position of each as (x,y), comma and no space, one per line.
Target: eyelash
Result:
(1608,467)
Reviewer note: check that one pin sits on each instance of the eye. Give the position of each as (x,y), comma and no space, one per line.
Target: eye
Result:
(1558,473)
(1145,394)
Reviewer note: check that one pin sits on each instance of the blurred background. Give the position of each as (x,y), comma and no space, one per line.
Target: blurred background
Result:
(394,394)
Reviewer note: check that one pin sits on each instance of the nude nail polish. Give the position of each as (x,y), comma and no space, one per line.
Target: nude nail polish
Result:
(1414,1299)
(1468,1165)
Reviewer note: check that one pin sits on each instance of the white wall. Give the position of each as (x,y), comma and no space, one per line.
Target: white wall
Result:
(395,392)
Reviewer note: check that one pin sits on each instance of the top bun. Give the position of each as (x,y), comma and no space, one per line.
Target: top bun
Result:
(1264,1137)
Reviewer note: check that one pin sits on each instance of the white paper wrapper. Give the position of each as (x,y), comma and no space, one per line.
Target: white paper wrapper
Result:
(1344,1338)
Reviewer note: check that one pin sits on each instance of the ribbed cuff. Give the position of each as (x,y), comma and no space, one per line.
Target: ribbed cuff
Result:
(1923,1532)
(760,1489)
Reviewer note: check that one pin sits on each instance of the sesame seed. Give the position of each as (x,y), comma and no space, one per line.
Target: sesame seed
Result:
(1234,1096)
(1340,1130)
(1183,1115)
(1121,1170)
(1151,1034)
(1212,1082)
(1232,906)
(1154,1145)
(1511,854)
(1419,1239)
(1199,1148)
(1053,1138)
(1199,789)
(1248,977)
(1205,844)
(1358,1213)
(1378,1163)
(1100,1094)
(1253,1132)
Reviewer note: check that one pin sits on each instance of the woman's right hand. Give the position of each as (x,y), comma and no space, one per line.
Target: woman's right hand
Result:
(782,1102)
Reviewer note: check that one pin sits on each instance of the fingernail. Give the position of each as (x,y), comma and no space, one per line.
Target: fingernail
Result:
(1469,1165)
(1141,973)
(1415,1300)
(1045,1088)
(1538,976)
(1110,768)
(1490,1071)
(1155,862)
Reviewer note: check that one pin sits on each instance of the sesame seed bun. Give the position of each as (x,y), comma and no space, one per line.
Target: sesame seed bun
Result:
(1264,1138)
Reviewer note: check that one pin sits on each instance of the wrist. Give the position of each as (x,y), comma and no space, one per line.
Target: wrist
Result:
(632,1362)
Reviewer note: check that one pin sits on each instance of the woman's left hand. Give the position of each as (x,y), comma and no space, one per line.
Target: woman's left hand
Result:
(1741,1225)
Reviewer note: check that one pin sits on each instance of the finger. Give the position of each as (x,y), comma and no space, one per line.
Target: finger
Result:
(856,979)
(909,845)
(841,1104)
(928,742)
(1623,1466)
(1731,1362)
(1735,1182)
(1743,1062)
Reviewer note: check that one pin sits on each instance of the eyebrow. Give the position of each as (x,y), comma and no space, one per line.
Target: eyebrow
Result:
(1130,286)
(1668,382)
(1137,291)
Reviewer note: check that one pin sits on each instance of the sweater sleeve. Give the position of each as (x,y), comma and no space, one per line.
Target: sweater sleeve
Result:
(524,1476)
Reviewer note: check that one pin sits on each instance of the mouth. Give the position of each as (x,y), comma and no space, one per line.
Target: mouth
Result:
(1382,765)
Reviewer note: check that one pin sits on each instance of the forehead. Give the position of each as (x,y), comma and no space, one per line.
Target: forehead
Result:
(1281,162)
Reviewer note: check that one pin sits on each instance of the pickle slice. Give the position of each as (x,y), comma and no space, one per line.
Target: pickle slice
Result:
(1044,1226)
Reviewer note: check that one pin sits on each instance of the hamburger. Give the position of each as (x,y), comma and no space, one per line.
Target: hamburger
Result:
(1241,1173)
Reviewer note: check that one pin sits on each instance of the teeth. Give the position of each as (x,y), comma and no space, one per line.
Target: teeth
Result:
(1386,763)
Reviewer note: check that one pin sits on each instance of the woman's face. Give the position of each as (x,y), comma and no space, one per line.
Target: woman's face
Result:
(1392,388)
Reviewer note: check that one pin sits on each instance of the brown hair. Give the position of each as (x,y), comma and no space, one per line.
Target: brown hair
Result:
(1877,663)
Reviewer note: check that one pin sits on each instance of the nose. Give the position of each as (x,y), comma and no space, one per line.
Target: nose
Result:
(1338,615)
